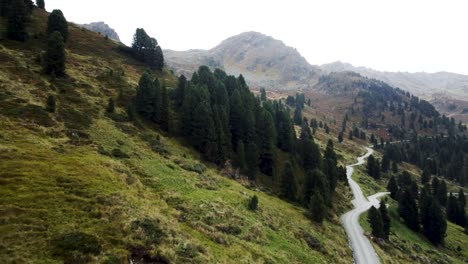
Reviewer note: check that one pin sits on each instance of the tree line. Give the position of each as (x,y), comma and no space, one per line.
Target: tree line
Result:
(218,115)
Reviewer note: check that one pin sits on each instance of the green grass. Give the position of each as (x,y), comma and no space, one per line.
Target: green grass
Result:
(407,246)
(54,183)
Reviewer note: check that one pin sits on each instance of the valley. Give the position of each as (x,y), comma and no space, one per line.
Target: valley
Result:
(244,153)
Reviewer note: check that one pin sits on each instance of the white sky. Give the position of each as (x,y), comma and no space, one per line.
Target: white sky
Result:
(387,35)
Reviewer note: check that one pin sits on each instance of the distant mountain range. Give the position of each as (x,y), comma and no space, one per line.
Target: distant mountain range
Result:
(268,62)
(103,29)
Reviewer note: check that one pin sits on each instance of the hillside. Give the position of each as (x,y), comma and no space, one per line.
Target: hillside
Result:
(103,29)
(447,91)
(81,174)
(262,60)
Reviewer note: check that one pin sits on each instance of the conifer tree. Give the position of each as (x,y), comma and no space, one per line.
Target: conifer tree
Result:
(375,220)
(251,158)
(51,104)
(57,22)
(164,119)
(266,137)
(408,210)
(54,59)
(385,219)
(340,136)
(425,176)
(441,193)
(17,18)
(145,95)
(317,208)
(157,102)
(253,203)
(110,106)
(263,96)
(435,224)
(452,209)
(241,156)
(385,163)
(298,116)
(180,91)
(288,184)
(392,187)
(40,4)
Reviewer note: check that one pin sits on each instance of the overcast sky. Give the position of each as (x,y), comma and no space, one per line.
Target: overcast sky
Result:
(387,35)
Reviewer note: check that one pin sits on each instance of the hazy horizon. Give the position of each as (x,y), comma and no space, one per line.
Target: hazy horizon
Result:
(415,36)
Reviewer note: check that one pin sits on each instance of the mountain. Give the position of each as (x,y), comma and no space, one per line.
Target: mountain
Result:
(447,91)
(79,184)
(103,29)
(262,60)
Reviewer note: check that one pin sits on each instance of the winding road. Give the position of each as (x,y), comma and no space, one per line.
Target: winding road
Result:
(363,251)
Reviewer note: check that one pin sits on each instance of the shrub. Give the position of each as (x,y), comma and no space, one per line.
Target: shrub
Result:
(253,203)
(67,244)
(195,167)
(118,153)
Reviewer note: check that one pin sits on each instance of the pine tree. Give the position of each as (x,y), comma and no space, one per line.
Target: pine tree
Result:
(57,22)
(266,137)
(461,198)
(40,4)
(54,59)
(241,156)
(263,96)
(17,18)
(385,219)
(251,158)
(435,224)
(375,220)
(385,163)
(452,209)
(298,116)
(441,193)
(235,118)
(408,210)
(288,184)
(51,104)
(144,97)
(394,167)
(110,106)
(253,203)
(425,176)
(392,187)
(164,119)
(180,91)
(317,208)
(156,105)
(340,137)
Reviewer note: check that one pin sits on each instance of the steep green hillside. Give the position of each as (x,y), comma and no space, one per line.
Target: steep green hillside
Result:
(81,185)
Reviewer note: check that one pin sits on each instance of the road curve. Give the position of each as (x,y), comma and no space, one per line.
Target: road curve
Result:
(363,251)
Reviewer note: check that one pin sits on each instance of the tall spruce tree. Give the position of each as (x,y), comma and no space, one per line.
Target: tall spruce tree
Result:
(385,219)
(57,22)
(145,95)
(180,91)
(266,137)
(288,184)
(435,224)
(17,18)
(375,220)
(40,4)
(408,210)
(241,156)
(157,102)
(441,193)
(165,112)
(392,187)
(54,59)
(251,158)
(317,208)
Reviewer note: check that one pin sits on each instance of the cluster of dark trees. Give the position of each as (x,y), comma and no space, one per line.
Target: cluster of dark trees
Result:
(379,221)
(456,209)
(219,116)
(373,167)
(421,207)
(145,49)
(57,32)
(442,156)
(18,13)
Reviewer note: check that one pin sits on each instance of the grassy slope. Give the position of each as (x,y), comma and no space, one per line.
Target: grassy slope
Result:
(52,183)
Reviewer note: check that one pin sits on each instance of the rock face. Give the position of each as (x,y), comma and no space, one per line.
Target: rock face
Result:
(263,61)
(103,29)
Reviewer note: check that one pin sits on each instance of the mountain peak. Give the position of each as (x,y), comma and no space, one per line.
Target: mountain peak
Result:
(103,28)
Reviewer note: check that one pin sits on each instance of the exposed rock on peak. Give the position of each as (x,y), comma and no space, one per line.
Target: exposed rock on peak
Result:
(104,29)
